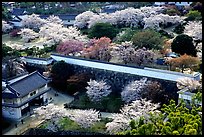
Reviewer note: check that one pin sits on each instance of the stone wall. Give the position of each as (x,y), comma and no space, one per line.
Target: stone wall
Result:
(118,80)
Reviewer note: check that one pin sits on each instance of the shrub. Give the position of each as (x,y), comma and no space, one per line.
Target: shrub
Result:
(179,29)
(125,35)
(183,44)
(193,15)
(149,39)
(102,30)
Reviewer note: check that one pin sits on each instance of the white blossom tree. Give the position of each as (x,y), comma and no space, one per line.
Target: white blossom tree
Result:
(6,27)
(54,19)
(82,19)
(28,34)
(85,118)
(130,112)
(133,90)
(53,113)
(194,29)
(123,51)
(33,21)
(191,84)
(96,90)
(56,33)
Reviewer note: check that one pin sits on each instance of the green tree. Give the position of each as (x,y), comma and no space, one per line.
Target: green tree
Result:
(60,72)
(193,15)
(175,120)
(183,44)
(102,30)
(5,14)
(125,35)
(6,50)
(148,38)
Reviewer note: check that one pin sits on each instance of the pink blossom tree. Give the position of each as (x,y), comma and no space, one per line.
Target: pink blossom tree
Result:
(70,47)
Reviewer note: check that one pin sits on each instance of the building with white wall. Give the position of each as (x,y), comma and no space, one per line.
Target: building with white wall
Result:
(18,95)
(142,71)
(38,61)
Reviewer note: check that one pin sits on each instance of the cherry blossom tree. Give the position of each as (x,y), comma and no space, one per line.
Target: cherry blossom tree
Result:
(96,90)
(33,21)
(133,90)
(191,84)
(143,56)
(194,29)
(28,34)
(70,47)
(5,26)
(98,49)
(123,51)
(133,111)
(54,19)
(85,118)
(53,113)
(56,33)
(82,19)
(155,21)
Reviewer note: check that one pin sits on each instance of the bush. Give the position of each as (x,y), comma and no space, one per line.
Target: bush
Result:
(149,39)
(166,34)
(125,35)
(179,29)
(172,12)
(102,30)
(183,44)
(193,15)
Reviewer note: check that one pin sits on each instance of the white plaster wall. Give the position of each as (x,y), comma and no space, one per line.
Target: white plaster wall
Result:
(12,113)
(148,72)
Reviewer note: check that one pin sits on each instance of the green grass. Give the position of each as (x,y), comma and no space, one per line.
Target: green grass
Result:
(111,103)
(11,40)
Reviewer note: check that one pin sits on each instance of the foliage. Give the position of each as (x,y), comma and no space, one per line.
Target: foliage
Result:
(183,44)
(77,82)
(60,72)
(6,27)
(149,39)
(184,61)
(191,84)
(130,112)
(98,49)
(194,29)
(179,120)
(102,30)
(6,50)
(70,47)
(5,14)
(125,35)
(96,90)
(194,15)
(179,29)
(111,103)
(28,34)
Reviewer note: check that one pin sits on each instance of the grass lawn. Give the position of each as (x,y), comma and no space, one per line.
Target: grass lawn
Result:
(11,40)
(67,124)
(112,103)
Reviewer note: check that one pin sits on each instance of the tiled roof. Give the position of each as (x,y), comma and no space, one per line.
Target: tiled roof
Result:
(61,16)
(18,11)
(45,59)
(27,84)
